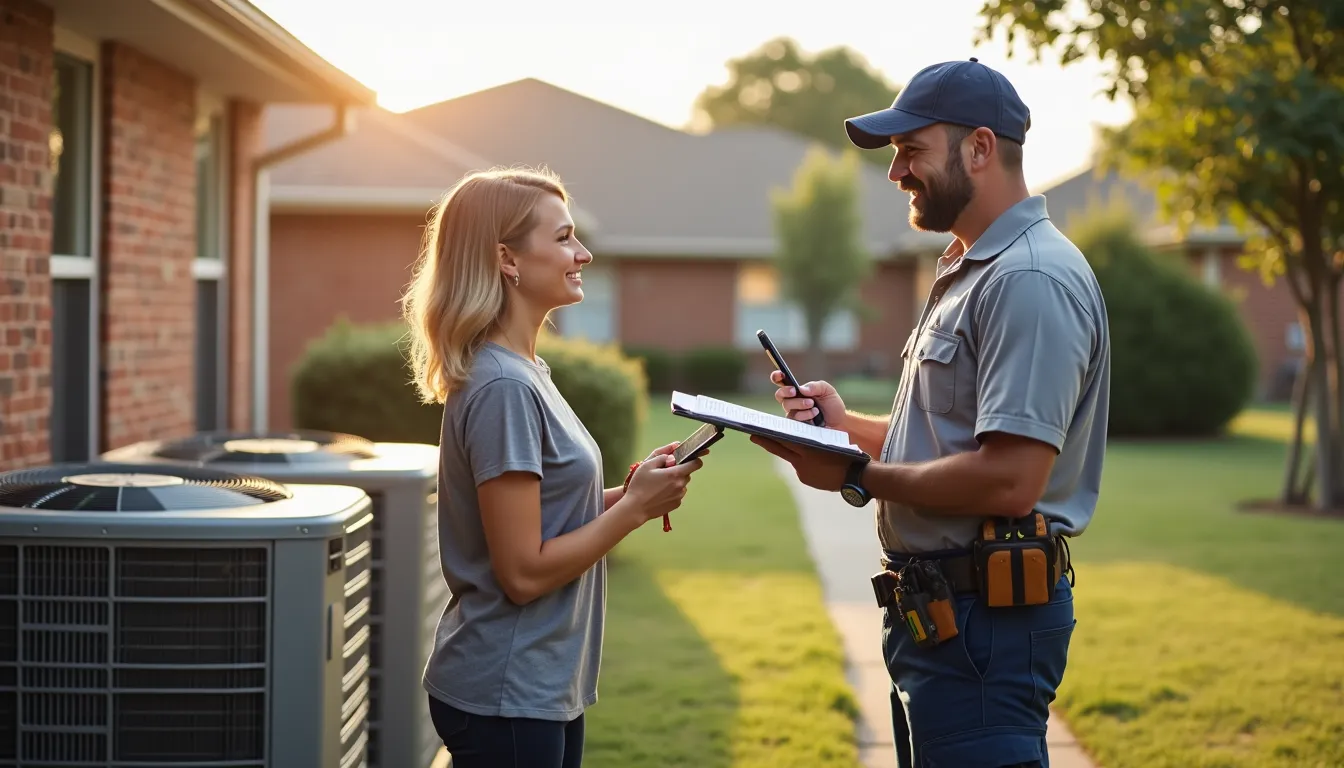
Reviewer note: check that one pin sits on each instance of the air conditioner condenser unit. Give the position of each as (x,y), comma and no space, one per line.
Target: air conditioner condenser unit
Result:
(156,615)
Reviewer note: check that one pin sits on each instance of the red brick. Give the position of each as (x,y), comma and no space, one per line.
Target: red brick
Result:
(25,291)
(244,122)
(148,244)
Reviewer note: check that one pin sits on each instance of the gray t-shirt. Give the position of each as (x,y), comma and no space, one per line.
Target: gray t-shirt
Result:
(491,656)
(1014,338)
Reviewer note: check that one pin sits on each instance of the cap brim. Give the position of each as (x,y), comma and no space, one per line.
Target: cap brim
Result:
(875,129)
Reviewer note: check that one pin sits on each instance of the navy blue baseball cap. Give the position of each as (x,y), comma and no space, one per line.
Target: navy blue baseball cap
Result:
(960,92)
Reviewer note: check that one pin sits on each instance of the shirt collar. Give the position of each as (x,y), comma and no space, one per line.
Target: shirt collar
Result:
(1002,233)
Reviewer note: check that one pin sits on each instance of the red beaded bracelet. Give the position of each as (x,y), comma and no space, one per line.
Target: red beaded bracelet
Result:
(667,523)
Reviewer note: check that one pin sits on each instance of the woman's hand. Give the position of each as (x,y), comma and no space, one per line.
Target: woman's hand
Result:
(658,486)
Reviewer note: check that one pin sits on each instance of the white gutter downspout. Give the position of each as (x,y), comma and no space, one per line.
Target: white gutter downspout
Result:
(261,254)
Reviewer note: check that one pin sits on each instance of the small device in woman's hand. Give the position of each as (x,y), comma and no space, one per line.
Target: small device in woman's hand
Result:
(693,446)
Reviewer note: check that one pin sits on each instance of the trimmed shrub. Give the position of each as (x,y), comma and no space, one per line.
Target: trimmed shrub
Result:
(713,369)
(660,367)
(1182,361)
(356,379)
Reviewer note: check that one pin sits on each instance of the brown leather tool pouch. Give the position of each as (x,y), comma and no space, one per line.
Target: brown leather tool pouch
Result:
(1018,561)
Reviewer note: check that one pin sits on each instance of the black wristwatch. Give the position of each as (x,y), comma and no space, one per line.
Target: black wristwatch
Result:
(853,490)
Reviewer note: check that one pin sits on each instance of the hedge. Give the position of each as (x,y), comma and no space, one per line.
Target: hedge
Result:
(356,379)
(1182,361)
(706,369)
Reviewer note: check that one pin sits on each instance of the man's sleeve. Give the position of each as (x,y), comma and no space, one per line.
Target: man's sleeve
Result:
(1034,342)
(503,430)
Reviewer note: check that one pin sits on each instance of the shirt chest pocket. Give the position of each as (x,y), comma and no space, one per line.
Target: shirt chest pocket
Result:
(935,354)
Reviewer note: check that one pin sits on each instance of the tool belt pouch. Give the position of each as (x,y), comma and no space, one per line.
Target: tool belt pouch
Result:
(922,598)
(1016,561)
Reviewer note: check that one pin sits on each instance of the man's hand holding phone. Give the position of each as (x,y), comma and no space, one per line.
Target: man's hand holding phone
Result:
(816,397)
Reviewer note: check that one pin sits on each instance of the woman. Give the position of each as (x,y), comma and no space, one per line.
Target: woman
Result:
(524,523)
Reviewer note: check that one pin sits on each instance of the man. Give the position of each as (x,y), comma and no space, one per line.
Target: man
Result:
(1001,413)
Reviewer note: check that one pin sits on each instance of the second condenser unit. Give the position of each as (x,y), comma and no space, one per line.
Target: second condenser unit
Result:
(409,593)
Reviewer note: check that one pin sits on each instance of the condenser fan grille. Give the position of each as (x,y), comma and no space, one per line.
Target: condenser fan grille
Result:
(133,488)
(297,447)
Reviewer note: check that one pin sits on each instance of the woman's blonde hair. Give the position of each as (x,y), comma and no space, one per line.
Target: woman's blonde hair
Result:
(456,297)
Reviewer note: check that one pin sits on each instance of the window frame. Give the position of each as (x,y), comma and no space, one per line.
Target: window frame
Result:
(83,268)
(212,125)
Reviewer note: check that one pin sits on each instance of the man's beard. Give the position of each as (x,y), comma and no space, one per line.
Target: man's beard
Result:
(942,199)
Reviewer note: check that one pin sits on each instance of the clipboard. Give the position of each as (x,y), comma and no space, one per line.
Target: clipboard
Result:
(725,415)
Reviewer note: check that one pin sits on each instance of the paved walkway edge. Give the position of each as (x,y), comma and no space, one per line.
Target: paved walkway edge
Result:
(842,541)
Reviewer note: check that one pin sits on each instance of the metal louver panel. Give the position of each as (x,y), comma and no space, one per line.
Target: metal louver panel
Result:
(356,682)
(133,655)
(376,622)
(435,600)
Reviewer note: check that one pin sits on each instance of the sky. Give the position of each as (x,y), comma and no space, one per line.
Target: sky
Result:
(417,52)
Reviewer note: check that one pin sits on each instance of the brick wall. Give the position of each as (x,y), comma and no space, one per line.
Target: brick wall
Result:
(324,266)
(244,142)
(651,291)
(25,232)
(149,219)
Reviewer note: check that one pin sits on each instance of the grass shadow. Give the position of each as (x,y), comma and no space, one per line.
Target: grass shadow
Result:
(665,700)
(718,649)
(1180,503)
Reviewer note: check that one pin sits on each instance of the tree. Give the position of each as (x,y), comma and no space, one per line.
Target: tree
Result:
(1237,109)
(777,84)
(821,256)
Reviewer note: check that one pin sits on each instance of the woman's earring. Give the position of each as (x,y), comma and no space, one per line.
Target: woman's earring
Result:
(515,280)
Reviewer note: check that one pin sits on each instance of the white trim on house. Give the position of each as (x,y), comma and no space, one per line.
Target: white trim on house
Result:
(719,247)
(208,269)
(316,198)
(242,17)
(297,198)
(1168,234)
(261,296)
(72,268)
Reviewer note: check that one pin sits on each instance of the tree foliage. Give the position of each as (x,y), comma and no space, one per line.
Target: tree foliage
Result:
(1238,111)
(821,258)
(780,85)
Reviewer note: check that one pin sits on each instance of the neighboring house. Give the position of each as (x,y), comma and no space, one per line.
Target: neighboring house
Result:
(680,226)
(131,140)
(1269,312)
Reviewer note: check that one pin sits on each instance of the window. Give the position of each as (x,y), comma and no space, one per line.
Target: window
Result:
(761,305)
(594,318)
(209,269)
(1212,268)
(1295,339)
(73,222)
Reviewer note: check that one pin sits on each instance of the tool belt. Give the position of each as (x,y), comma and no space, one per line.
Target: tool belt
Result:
(1015,562)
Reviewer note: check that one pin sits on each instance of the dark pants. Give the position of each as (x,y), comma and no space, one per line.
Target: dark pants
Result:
(477,741)
(981,699)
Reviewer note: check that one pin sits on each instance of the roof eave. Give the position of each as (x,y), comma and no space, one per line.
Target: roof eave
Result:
(247,18)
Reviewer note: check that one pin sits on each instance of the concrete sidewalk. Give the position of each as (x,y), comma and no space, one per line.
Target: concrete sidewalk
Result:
(843,544)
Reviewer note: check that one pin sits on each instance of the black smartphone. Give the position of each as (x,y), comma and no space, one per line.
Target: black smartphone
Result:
(778,361)
(700,439)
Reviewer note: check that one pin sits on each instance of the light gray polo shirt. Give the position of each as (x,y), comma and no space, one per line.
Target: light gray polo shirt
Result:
(1013,338)
(492,656)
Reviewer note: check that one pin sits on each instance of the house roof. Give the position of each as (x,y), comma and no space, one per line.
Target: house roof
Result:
(1070,200)
(229,46)
(649,189)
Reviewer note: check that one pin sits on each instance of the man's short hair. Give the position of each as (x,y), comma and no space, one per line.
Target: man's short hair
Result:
(1010,152)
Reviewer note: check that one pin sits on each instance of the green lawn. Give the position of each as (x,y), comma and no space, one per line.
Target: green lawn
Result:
(1207,636)
(719,651)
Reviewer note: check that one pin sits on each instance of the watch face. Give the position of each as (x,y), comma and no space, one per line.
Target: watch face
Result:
(853,496)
